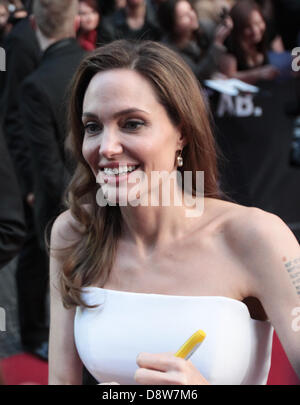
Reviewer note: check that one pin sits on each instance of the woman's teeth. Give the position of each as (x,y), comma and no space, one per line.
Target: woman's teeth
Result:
(120,171)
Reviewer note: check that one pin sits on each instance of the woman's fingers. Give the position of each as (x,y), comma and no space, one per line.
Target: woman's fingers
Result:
(146,376)
(166,369)
(160,362)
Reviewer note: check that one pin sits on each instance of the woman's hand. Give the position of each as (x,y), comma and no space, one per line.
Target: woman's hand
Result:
(166,369)
(268,72)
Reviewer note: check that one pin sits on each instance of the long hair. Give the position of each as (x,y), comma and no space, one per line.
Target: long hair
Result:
(91,258)
(240,13)
(166,16)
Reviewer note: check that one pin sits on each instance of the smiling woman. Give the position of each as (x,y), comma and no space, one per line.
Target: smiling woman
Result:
(127,106)
(118,86)
(149,273)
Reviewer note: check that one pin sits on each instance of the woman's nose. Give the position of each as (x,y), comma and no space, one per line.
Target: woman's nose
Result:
(110,144)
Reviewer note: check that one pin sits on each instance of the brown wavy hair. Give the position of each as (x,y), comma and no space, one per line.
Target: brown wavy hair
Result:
(91,258)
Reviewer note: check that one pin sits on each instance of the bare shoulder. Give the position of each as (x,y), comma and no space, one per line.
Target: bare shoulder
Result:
(251,230)
(66,230)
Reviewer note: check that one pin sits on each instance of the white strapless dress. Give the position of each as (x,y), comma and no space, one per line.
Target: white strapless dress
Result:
(236,350)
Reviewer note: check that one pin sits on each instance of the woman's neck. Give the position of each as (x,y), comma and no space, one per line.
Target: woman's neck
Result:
(252,56)
(151,227)
(183,40)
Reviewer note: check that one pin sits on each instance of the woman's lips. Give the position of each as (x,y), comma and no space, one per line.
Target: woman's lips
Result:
(105,178)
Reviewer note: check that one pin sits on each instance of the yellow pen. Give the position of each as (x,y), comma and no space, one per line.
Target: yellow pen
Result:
(191,345)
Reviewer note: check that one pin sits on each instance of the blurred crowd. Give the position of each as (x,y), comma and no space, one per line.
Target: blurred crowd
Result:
(241,53)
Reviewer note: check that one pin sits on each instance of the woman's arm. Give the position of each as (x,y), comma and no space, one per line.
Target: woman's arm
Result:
(271,254)
(228,66)
(65,367)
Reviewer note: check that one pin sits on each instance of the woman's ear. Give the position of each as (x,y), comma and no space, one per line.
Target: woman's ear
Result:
(182,141)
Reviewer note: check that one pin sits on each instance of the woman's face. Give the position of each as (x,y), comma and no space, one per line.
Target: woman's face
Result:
(126,125)
(89,18)
(255,29)
(185,18)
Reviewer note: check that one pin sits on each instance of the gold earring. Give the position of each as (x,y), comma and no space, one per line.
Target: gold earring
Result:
(179,160)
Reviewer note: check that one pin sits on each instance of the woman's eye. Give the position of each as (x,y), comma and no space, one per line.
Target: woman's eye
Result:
(133,125)
(91,128)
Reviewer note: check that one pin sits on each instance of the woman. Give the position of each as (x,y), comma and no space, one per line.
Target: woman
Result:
(89,22)
(247,57)
(197,45)
(130,283)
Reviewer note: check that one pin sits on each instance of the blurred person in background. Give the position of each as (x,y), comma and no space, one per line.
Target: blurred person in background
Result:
(211,9)
(273,37)
(213,14)
(136,21)
(41,102)
(215,23)
(12,223)
(18,11)
(255,130)
(4,16)
(183,34)
(45,92)
(22,57)
(247,57)
(87,34)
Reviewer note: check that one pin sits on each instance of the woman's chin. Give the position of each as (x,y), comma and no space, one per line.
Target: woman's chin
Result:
(123,198)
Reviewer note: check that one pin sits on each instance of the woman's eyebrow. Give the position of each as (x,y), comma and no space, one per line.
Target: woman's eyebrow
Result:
(117,114)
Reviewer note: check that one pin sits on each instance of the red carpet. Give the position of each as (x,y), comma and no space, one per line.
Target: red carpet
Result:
(281,372)
(26,369)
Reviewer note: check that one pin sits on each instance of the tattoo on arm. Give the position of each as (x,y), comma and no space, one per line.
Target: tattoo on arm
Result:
(293,268)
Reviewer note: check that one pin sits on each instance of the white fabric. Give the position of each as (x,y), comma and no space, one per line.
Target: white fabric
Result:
(236,350)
